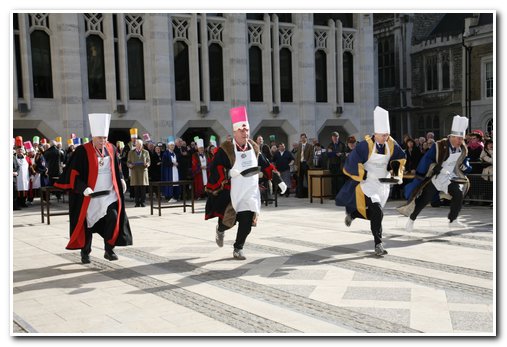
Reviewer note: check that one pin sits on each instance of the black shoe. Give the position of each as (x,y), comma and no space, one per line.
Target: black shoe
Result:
(111,256)
(85,257)
(142,204)
(137,205)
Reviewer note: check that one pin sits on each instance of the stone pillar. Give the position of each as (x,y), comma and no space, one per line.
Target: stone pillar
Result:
(26,66)
(276,62)
(193,58)
(339,63)
(70,76)
(304,81)
(331,65)
(364,72)
(161,78)
(267,72)
(205,61)
(122,58)
(236,59)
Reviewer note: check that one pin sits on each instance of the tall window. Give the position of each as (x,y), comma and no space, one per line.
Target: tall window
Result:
(17,52)
(135,57)
(348,77)
(431,72)
(255,60)
(489,79)
(386,62)
(181,71)
(320,76)
(285,75)
(96,70)
(216,72)
(427,123)
(41,64)
(446,72)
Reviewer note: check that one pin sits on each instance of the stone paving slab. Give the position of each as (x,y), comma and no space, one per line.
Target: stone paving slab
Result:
(306,273)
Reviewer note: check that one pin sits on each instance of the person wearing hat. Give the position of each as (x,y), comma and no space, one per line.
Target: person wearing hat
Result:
(475,147)
(124,158)
(233,183)
(335,159)
(440,170)
(200,166)
(365,194)
(138,163)
(170,171)
(96,193)
(23,177)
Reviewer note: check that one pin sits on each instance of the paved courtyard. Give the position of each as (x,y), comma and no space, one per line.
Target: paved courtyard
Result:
(305,273)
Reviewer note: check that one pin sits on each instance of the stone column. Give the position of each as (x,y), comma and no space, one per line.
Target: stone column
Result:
(162,88)
(71,76)
(193,58)
(331,65)
(276,62)
(267,73)
(205,61)
(26,67)
(304,91)
(339,63)
(364,72)
(236,58)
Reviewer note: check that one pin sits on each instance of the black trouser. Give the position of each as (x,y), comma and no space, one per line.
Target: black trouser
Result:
(375,215)
(140,194)
(335,180)
(427,196)
(244,219)
(104,227)
(301,191)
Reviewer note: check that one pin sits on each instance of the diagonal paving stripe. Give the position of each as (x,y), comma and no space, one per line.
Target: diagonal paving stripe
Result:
(320,310)
(312,257)
(230,315)
(392,258)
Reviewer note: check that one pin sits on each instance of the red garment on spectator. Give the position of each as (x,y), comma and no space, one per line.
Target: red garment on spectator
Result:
(197,174)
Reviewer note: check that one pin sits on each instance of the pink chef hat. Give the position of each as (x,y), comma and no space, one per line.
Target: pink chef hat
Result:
(28,146)
(239,118)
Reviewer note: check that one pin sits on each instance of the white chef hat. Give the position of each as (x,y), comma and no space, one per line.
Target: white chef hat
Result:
(99,123)
(381,121)
(459,126)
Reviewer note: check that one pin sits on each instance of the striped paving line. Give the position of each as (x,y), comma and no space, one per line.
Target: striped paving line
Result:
(312,258)
(222,312)
(392,258)
(225,279)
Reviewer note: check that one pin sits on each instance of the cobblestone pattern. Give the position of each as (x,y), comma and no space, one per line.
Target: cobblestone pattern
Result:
(230,315)
(395,259)
(227,280)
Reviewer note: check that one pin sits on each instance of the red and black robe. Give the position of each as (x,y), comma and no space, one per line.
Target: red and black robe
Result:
(80,173)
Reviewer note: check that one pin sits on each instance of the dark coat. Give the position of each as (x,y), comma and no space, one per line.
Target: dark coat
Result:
(81,173)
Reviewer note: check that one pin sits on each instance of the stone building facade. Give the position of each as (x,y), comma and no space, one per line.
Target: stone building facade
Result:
(432,66)
(178,74)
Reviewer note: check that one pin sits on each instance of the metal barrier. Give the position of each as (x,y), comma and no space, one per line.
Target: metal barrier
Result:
(481,188)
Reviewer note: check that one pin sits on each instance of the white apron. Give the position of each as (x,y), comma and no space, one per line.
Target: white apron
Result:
(23,179)
(176,177)
(443,179)
(36,181)
(204,173)
(376,167)
(98,206)
(245,195)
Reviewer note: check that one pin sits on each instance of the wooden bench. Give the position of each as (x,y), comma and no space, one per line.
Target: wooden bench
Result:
(45,204)
(183,183)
